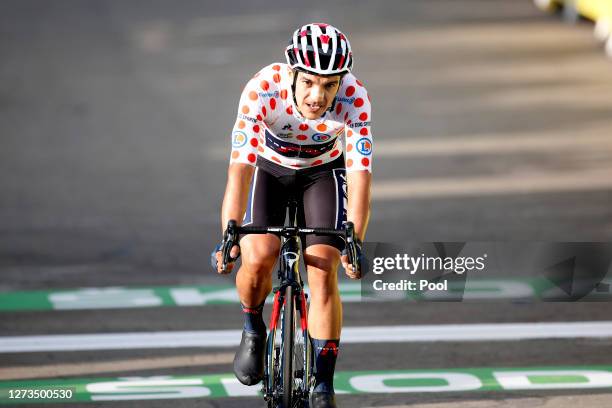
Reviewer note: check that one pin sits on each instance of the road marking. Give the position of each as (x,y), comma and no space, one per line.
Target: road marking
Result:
(87,368)
(520,182)
(493,144)
(566,401)
(202,295)
(350,335)
(458,380)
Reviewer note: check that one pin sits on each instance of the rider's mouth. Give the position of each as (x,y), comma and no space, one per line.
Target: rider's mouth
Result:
(314,107)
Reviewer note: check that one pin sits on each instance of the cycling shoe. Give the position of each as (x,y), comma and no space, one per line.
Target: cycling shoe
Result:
(249,359)
(323,400)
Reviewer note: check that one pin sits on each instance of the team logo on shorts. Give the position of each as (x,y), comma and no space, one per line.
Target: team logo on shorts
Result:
(320,137)
(239,139)
(364,146)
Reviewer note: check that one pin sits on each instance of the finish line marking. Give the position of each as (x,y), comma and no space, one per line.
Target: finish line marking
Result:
(352,335)
(349,382)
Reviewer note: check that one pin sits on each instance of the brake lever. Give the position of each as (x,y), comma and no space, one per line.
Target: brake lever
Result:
(230,238)
(351,251)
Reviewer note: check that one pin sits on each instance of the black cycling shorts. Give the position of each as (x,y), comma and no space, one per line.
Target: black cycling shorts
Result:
(319,191)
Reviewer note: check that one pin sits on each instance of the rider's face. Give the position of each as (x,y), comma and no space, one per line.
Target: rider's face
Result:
(314,94)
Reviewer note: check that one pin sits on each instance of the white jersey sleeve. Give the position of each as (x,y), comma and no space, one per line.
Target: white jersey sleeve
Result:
(248,126)
(358,133)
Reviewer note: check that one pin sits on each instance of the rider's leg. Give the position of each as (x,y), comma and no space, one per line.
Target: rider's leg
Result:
(254,282)
(325,312)
(254,278)
(266,206)
(324,202)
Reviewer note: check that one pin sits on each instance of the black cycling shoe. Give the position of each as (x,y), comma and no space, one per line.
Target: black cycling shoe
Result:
(323,400)
(249,359)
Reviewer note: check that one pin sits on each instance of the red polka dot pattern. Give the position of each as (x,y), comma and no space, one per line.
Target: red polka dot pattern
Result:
(267,99)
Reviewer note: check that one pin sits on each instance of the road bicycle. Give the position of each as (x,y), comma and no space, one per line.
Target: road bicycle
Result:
(288,369)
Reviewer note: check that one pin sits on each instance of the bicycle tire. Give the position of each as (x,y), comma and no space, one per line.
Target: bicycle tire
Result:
(287,357)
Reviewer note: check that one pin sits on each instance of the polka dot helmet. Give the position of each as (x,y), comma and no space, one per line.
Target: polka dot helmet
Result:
(319,49)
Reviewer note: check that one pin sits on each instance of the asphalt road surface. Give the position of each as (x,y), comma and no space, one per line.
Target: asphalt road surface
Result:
(492,122)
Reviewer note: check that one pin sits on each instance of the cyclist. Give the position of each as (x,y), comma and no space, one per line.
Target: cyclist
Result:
(293,120)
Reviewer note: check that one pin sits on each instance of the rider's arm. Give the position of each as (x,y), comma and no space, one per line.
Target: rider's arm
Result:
(239,177)
(359,194)
(358,136)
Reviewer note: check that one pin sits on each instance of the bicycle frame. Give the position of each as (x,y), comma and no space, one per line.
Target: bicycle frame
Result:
(289,297)
(288,276)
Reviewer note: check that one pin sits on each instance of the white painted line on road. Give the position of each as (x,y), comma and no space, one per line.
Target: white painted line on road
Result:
(350,335)
(517,183)
(97,367)
(492,144)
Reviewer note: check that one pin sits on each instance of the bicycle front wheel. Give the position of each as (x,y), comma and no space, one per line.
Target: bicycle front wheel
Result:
(288,346)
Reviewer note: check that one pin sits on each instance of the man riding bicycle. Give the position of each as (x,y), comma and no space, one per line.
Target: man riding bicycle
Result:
(288,142)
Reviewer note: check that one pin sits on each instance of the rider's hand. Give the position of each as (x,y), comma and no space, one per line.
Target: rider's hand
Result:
(350,272)
(216,259)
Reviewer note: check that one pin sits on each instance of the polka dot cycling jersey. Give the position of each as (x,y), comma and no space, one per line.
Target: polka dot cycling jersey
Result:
(269,125)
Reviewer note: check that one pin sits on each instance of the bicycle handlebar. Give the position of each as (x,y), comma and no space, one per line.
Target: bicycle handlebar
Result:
(231,237)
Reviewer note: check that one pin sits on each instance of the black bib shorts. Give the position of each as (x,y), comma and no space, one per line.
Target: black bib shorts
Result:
(319,191)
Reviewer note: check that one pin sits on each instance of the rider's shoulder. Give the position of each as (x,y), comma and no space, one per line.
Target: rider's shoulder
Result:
(354,85)
(272,74)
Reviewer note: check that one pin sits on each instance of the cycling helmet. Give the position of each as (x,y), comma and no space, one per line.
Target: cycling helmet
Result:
(319,49)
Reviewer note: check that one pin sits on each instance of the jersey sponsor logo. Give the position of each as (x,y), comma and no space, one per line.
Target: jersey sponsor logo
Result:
(320,137)
(288,149)
(345,100)
(364,146)
(285,135)
(287,127)
(239,139)
(359,124)
(245,117)
(274,94)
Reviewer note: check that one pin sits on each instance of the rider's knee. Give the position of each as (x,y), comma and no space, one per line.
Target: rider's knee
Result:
(259,263)
(322,259)
(322,267)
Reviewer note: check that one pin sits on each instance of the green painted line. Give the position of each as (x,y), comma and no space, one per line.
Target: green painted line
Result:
(347,382)
(31,300)
(201,295)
